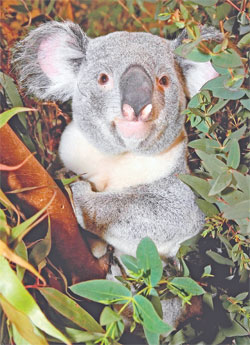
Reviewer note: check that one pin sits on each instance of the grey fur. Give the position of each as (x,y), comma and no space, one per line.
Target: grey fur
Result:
(164,209)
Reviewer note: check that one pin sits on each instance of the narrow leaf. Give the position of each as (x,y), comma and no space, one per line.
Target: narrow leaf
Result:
(22,323)
(10,255)
(70,309)
(102,291)
(150,319)
(233,159)
(219,258)
(8,114)
(188,285)
(15,293)
(222,181)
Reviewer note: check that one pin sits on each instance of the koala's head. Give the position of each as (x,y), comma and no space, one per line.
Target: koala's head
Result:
(127,89)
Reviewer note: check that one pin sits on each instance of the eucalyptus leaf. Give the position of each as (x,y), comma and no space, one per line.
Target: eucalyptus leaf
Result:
(227,59)
(206,145)
(149,260)
(239,210)
(109,316)
(150,319)
(222,181)
(207,208)
(219,258)
(152,338)
(130,262)
(204,2)
(219,89)
(70,309)
(8,114)
(22,323)
(16,294)
(102,291)
(199,185)
(233,159)
(245,103)
(212,164)
(188,285)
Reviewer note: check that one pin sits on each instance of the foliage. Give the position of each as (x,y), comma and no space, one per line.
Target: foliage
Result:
(218,141)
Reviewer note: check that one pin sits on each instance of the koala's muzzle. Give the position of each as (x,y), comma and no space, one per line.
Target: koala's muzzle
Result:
(136,91)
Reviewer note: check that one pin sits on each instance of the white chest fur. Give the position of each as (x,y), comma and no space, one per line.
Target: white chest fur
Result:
(114,172)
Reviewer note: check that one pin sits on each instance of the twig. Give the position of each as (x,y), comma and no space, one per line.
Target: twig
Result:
(27,9)
(237,8)
(132,15)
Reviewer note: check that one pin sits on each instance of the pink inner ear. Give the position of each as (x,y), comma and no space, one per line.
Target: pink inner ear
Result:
(47,56)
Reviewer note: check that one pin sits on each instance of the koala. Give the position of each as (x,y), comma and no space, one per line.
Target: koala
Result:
(127,138)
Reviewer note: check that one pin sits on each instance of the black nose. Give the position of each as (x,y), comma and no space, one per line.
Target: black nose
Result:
(136,88)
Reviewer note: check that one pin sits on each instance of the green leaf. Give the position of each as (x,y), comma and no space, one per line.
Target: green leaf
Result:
(16,294)
(18,339)
(207,208)
(244,41)
(204,3)
(21,251)
(11,90)
(220,104)
(150,319)
(19,230)
(8,114)
(239,210)
(109,316)
(212,164)
(155,300)
(233,159)
(149,260)
(222,181)
(22,323)
(243,182)
(234,330)
(227,59)
(102,291)
(219,89)
(41,249)
(219,258)
(206,145)
(152,338)
(197,56)
(241,296)
(188,285)
(130,262)
(199,185)
(77,336)
(245,103)
(70,309)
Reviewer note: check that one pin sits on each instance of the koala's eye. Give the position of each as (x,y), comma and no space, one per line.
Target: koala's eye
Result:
(163,81)
(103,79)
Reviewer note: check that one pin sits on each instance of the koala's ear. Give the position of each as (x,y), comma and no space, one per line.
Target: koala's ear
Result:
(197,73)
(49,58)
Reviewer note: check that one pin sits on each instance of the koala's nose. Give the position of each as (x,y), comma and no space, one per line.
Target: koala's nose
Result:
(136,89)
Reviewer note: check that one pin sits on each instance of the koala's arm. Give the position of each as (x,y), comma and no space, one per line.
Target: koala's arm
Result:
(165,211)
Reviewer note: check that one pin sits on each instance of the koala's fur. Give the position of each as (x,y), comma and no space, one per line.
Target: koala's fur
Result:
(130,186)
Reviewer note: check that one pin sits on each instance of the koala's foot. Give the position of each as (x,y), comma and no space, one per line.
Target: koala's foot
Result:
(98,247)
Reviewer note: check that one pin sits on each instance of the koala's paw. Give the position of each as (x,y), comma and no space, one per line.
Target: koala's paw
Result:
(97,247)
(81,187)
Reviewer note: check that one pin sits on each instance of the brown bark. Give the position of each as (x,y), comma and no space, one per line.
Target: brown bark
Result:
(68,246)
